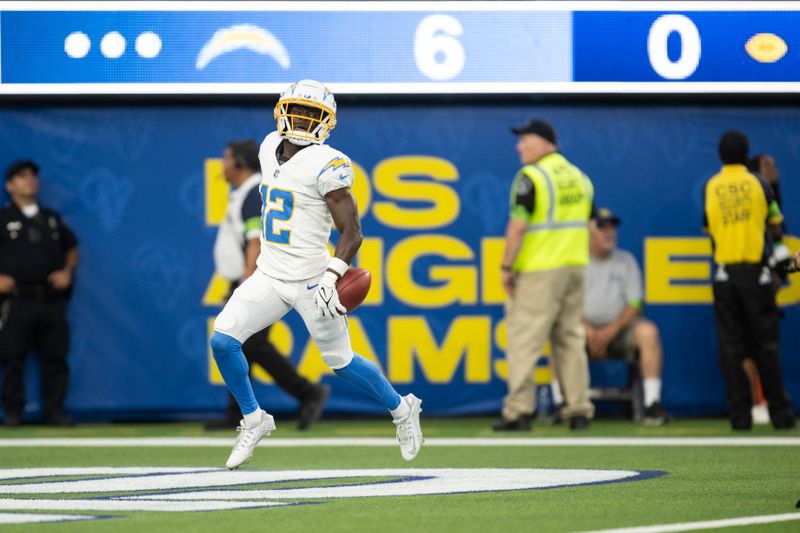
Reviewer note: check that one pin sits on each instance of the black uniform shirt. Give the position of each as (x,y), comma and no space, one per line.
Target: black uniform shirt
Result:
(32,248)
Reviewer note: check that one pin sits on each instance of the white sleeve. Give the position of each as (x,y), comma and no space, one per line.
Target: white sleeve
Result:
(337,173)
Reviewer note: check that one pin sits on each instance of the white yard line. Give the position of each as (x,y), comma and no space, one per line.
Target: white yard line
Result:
(210,442)
(706,524)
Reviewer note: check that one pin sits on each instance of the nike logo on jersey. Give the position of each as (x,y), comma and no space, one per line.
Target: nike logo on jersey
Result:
(310,286)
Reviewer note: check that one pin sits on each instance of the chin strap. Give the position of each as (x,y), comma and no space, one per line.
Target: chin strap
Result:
(297,142)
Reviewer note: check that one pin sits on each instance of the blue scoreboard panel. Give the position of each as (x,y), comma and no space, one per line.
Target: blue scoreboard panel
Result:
(367,47)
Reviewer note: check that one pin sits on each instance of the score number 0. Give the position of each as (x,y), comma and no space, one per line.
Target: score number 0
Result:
(657,39)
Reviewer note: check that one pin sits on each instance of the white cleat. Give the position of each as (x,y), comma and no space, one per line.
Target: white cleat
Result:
(409,432)
(248,439)
(760,414)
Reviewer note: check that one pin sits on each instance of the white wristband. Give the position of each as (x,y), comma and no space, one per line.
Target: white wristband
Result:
(338,266)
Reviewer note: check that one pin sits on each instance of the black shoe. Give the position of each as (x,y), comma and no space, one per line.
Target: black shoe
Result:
(786,422)
(12,419)
(579,423)
(59,419)
(522,423)
(557,418)
(311,406)
(656,415)
(742,424)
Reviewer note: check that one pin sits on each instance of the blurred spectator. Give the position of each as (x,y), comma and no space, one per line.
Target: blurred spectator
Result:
(760,409)
(38,256)
(762,165)
(615,328)
(547,249)
(739,209)
(236,249)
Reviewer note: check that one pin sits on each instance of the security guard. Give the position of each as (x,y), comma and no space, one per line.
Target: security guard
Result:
(547,250)
(38,256)
(738,208)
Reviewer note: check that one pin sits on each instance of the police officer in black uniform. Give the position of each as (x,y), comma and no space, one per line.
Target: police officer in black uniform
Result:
(38,256)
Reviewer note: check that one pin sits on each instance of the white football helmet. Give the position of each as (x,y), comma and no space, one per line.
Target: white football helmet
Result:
(303,129)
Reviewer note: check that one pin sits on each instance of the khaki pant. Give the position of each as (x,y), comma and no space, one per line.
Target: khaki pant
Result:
(547,305)
(623,346)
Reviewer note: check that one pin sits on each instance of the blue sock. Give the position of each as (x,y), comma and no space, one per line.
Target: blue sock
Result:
(234,369)
(368,377)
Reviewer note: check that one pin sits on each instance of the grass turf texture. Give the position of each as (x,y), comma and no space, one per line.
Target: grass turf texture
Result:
(702,483)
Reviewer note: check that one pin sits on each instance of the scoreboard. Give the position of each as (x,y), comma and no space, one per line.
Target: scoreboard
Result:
(365,47)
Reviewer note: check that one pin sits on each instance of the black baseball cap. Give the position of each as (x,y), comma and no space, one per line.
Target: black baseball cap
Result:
(604,215)
(20,166)
(538,127)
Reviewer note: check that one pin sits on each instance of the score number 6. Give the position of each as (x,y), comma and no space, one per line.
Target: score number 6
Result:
(439,55)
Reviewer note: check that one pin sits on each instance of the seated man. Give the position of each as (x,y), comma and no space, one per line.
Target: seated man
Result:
(613,312)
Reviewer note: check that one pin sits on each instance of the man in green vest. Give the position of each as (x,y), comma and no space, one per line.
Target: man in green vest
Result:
(547,250)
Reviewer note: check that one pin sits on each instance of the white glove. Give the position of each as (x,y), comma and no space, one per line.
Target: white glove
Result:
(780,252)
(782,260)
(326,297)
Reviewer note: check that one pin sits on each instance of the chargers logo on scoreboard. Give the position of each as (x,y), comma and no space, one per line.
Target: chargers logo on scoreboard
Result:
(243,36)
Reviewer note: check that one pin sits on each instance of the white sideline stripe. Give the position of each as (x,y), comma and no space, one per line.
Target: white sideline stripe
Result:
(119,505)
(211,442)
(30,518)
(708,524)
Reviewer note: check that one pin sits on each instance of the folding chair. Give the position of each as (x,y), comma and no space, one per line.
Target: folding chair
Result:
(617,380)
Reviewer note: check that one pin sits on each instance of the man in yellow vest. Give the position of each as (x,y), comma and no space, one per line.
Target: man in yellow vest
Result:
(547,250)
(744,222)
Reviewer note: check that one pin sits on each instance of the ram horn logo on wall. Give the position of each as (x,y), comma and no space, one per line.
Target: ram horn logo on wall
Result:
(240,36)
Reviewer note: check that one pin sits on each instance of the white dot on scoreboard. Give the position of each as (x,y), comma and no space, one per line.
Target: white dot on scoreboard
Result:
(77,45)
(113,45)
(148,44)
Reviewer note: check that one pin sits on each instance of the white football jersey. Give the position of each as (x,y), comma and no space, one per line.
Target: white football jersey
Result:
(295,220)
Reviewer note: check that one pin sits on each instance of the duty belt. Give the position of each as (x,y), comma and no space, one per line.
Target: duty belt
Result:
(37,291)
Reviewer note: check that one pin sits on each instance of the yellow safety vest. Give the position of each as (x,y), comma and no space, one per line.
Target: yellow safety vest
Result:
(558,234)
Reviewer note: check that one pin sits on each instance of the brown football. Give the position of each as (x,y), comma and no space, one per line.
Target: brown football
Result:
(353,287)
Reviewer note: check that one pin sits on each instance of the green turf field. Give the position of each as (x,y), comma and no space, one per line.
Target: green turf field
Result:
(702,482)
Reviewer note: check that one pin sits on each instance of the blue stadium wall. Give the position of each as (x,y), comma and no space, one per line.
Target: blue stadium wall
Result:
(142,188)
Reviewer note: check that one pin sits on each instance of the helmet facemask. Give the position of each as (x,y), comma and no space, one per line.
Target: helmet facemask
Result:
(310,125)
(321,116)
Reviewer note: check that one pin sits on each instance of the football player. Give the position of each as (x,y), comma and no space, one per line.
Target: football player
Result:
(305,187)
